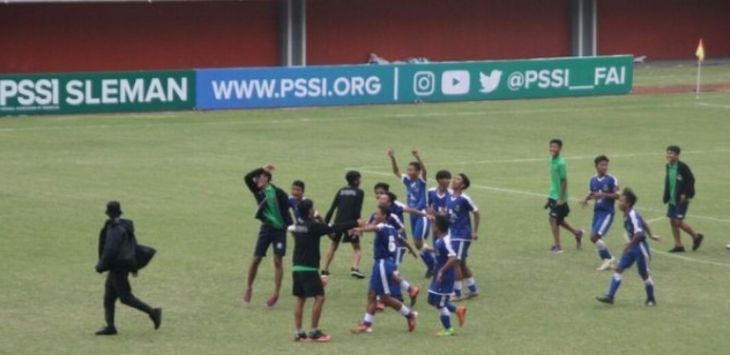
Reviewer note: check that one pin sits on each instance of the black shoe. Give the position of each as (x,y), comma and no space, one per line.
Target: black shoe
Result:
(356,274)
(650,302)
(605,299)
(429,273)
(108,330)
(301,337)
(325,273)
(679,249)
(156,317)
(696,242)
(318,336)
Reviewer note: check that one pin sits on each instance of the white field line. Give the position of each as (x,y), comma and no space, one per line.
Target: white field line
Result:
(545,159)
(306,119)
(541,195)
(707,104)
(682,257)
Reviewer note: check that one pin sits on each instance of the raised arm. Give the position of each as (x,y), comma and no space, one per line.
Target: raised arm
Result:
(391,155)
(424,175)
(250,178)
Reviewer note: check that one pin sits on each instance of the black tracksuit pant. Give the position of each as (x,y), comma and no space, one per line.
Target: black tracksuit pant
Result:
(117,286)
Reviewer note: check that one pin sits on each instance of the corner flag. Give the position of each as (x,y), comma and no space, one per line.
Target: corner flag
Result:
(700,52)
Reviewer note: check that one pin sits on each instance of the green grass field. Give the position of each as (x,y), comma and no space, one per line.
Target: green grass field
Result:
(179,177)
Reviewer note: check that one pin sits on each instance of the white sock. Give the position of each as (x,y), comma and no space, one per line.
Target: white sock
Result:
(601,245)
(457,285)
(404,311)
(470,281)
(445,312)
(405,285)
(369,318)
(649,281)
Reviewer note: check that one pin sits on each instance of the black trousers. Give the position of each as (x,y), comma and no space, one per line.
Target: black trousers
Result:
(117,287)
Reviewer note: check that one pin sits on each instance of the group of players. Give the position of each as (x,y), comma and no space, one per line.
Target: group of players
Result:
(604,190)
(453,218)
(443,211)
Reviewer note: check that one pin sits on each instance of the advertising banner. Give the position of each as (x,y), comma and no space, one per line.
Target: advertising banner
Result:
(97,92)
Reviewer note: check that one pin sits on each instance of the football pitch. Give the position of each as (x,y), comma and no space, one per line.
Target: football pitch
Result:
(179,177)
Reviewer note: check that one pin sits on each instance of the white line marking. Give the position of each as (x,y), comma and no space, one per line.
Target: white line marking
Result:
(581,87)
(692,260)
(706,104)
(650,221)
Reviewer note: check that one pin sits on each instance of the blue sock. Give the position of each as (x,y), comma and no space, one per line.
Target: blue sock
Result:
(427,258)
(472,285)
(649,288)
(615,283)
(604,254)
(446,321)
(457,288)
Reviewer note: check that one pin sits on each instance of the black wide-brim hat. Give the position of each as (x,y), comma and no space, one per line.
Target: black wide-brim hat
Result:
(113,209)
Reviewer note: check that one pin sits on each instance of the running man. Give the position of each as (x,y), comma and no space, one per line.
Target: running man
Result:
(558,200)
(443,282)
(603,188)
(636,251)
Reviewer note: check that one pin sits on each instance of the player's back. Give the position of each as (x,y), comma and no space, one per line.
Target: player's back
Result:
(634,223)
(384,245)
(349,204)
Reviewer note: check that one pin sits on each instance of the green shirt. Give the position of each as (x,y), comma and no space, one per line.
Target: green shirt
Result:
(558,173)
(672,174)
(271,209)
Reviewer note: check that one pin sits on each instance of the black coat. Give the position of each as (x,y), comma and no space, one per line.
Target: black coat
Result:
(118,248)
(685,182)
(282,199)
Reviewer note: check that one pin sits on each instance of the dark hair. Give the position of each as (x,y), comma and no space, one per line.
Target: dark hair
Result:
(630,196)
(557,141)
(267,174)
(443,174)
(442,222)
(599,159)
(352,176)
(674,148)
(466,180)
(384,210)
(382,185)
(392,197)
(416,165)
(299,184)
(304,206)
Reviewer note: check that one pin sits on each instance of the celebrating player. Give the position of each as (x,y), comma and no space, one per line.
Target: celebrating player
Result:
(415,181)
(604,189)
(636,250)
(348,203)
(558,200)
(306,280)
(382,282)
(439,195)
(679,190)
(459,207)
(296,196)
(443,282)
(273,212)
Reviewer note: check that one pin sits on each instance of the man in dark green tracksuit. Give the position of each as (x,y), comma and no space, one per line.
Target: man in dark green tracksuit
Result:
(679,189)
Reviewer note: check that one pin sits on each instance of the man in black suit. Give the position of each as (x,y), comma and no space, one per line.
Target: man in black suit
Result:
(118,255)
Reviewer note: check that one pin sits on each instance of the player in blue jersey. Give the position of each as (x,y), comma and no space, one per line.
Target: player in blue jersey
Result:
(442,284)
(382,282)
(603,188)
(636,250)
(460,207)
(438,196)
(415,181)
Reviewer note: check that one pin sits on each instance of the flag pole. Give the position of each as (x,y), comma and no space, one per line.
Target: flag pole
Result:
(699,73)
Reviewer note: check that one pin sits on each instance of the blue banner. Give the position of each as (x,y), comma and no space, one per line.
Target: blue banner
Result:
(299,86)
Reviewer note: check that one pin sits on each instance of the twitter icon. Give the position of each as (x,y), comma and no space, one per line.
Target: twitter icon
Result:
(490,82)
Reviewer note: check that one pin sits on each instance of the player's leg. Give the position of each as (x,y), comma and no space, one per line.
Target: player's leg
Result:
(601,224)
(696,237)
(315,289)
(412,291)
(367,320)
(356,258)
(301,335)
(458,281)
(471,283)
(642,265)
(110,298)
(627,259)
(444,308)
(406,312)
(577,233)
(678,247)
(262,245)
(555,229)
(420,229)
(331,254)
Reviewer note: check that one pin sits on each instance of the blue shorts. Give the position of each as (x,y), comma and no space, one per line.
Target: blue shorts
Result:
(446,286)
(420,227)
(270,236)
(437,300)
(678,211)
(601,223)
(381,278)
(640,255)
(461,248)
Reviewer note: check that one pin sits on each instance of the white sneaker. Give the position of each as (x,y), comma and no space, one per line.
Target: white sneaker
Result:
(727,246)
(607,264)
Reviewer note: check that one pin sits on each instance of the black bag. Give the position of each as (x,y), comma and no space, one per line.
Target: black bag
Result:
(143,256)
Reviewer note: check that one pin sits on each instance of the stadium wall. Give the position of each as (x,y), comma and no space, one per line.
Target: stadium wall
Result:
(137,36)
(664,29)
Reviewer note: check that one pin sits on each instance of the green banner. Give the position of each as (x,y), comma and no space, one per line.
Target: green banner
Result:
(515,79)
(97,92)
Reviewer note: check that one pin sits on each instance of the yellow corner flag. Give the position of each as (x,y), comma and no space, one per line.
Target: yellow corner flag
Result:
(700,52)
